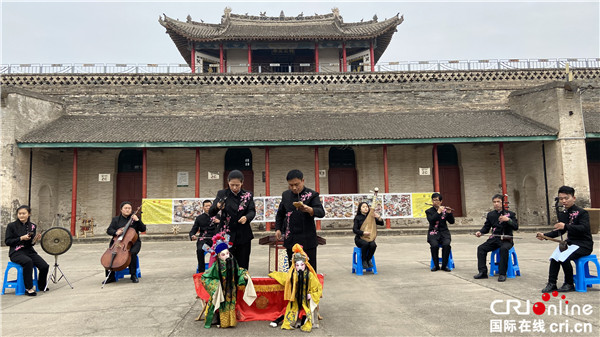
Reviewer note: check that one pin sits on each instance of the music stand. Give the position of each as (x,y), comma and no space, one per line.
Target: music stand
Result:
(56,241)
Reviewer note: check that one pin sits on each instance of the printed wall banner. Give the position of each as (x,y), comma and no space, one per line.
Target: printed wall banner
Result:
(157,211)
(337,207)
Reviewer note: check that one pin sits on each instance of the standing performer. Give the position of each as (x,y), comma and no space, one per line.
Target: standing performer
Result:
(296,217)
(575,221)
(439,235)
(367,247)
(205,227)
(20,237)
(303,291)
(237,211)
(116,228)
(221,281)
(502,222)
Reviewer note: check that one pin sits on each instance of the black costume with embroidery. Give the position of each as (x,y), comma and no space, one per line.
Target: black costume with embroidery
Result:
(236,206)
(577,227)
(439,235)
(299,227)
(495,241)
(23,253)
(206,228)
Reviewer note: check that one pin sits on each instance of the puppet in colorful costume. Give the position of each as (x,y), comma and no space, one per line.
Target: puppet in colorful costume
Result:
(221,281)
(302,289)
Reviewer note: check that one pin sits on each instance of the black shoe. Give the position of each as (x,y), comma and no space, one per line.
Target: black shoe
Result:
(446,269)
(370,264)
(549,287)
(566,288)
(481,275)
(436,268)
(365,265)
(33,293)
(501,278)
(134,279)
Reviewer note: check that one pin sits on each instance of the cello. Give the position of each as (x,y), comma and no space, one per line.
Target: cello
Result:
(117,257)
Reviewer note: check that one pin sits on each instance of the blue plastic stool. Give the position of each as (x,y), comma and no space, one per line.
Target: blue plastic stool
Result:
(582,276)
(205,264)
(18,284)
(512,269)
(450,261)
(357,263)
(122,273)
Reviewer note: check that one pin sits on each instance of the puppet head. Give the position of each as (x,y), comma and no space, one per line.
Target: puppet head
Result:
(220,246)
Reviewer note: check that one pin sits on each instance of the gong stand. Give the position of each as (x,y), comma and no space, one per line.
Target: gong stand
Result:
(53,275)
(56,241)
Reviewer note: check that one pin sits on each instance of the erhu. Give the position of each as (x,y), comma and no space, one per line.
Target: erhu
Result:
(369,225)
(562,245)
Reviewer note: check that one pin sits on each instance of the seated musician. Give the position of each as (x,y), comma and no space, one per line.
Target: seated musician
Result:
(502,223)
(438,235)
(116,228)
(575,221)
(221,281)
(303,291)
(20,237)
(367,247)
(205,227)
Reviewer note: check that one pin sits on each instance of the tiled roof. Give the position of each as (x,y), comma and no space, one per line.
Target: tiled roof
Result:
(592,121)
(235,27)
(265,128)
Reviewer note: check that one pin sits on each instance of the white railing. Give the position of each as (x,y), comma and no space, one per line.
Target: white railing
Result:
(434,65)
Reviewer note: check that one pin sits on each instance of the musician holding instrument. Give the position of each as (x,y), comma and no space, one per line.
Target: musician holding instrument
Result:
(115,229)
(502,222)
(237,211)
(363,236)
(295,218)
(205,227)
(575,221)
(438,235)
(20,236)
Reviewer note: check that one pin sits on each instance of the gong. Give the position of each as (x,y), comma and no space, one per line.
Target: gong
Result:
(56,241)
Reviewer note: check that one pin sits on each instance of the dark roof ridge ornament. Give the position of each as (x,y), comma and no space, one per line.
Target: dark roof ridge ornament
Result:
(282,15)
(375,18)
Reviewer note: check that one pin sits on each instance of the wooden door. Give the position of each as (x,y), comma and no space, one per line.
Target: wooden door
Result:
(450,188)
(129,188)
(342,180)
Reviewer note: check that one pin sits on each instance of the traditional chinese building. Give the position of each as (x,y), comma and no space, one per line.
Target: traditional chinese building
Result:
(251,44)
(75,144)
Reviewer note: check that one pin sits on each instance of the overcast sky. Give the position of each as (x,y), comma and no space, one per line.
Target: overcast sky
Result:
(129,32)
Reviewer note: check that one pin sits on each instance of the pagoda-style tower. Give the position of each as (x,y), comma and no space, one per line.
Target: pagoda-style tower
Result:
(250,44)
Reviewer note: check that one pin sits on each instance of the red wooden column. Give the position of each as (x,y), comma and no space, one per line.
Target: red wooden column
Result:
(344,66)
(267,180)
(316,57)
(386,179)
(436,170)
(503,174)
(197,179)
(145,173)
(74,194)
(372,58)
(221,58)
(249,58)
(193,59)
(317,188)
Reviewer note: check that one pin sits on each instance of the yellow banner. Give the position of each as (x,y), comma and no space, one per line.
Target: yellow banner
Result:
(157,211)
(418,204)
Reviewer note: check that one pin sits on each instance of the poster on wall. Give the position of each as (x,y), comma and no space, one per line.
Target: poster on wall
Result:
(259,204)
(185,211)
(157,211)
(271,207)
(368,198)
(339,206)
(397,205)
(419,204)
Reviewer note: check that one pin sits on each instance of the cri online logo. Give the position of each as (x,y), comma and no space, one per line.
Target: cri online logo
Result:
(540,308)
